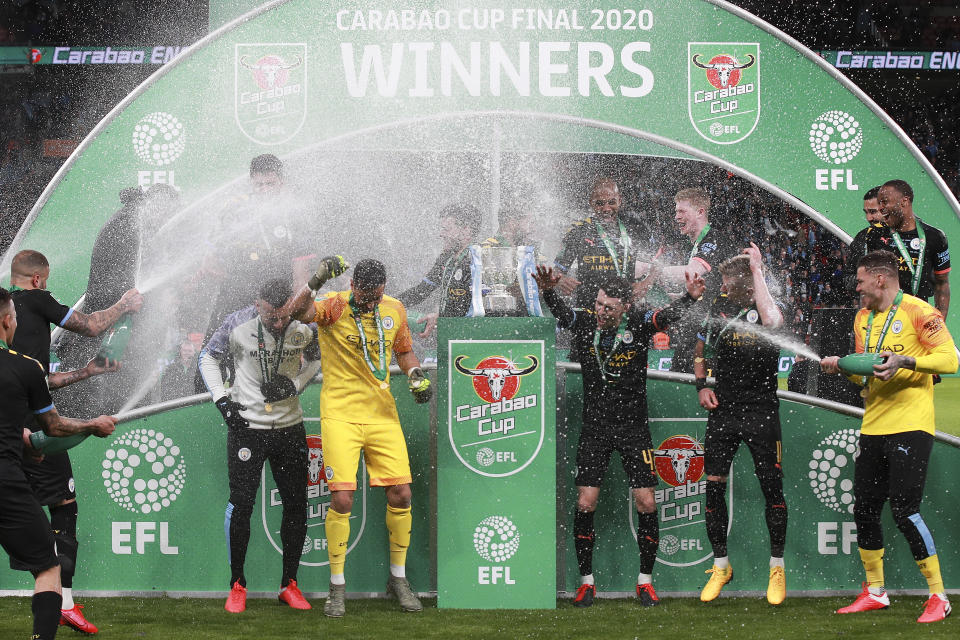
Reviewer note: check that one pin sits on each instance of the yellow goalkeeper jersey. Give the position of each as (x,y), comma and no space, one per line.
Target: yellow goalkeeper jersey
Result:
(905,401)
(351,392)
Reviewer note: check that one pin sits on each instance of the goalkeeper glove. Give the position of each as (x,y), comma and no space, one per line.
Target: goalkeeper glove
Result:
(231,413)
(330,267)
(419,385)
(278,388)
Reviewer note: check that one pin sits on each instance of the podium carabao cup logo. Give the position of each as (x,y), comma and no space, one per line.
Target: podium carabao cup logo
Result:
(723,80)
(318,502)
(270,90)
(680,498)
(496,422)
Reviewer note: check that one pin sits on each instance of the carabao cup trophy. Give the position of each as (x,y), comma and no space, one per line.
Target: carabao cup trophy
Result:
(494,271)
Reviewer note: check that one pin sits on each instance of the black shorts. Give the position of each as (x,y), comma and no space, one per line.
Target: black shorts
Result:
(893,467)
(757,425)
(24,529)
(51,479)
(598,442)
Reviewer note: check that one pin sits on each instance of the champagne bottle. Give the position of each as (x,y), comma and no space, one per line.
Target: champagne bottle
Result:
(116,341)
(49,445)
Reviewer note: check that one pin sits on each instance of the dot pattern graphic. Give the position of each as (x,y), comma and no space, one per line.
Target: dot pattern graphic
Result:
(143,471)
(485,457)
(158,138)
(836,137)
(669,545)
(496,539)
(831,470)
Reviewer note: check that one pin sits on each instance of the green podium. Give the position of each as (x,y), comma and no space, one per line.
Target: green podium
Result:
(496,463)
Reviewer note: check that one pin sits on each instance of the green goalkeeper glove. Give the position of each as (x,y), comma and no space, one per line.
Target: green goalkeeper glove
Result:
(330,267)
(419,385)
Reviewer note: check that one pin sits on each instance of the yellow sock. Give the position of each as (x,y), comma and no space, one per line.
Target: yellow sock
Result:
(930,568)
(338,533)
(873,564)
(399,522)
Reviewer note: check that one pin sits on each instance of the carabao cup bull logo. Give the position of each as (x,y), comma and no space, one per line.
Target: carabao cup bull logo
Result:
(270,71)
(496,377)
(314,459)
(679,460)
(270,94)
(723,71)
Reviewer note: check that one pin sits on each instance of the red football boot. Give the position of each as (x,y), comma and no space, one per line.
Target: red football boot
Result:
(866,601)
(74,619)
(290,595)
(237,600)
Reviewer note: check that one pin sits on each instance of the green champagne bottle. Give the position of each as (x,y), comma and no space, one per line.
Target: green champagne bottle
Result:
(116,341)
(49,445)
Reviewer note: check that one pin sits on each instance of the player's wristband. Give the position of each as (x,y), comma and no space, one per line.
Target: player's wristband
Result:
(701,384)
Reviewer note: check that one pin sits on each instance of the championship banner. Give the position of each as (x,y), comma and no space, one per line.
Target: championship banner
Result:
(496,482)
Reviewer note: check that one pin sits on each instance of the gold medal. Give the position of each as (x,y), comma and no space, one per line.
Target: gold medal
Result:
(864,393)
(268,407)
(384,385)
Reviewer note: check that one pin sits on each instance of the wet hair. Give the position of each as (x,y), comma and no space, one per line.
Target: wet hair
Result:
(369,274)
(880,260)
(901,186)
(694,195)
(266,163)
(871,194)
(5,299)
(28,263)
(736,267)
(604,181)
(465,214)
(276,292)
(617,287)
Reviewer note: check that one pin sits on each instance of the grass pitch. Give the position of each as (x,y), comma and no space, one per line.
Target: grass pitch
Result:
(733,618)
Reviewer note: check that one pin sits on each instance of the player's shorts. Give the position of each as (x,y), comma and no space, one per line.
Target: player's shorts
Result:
(51,478)
(384,450)
(24,529)
(756,425)
(893,467)
(631,441)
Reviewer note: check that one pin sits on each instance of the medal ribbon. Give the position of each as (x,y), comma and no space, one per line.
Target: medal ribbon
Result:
(262,356)
(616,343)
(696,243)
(916,273)
(379,371)
(612,250)
(712,343)
(883,330)
(3,345)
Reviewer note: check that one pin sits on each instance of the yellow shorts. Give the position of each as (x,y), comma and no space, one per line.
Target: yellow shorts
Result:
(383,446)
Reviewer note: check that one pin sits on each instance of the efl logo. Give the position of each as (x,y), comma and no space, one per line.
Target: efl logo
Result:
(831,470)
(495,539)
(143,471)
(158,138)
(496,377)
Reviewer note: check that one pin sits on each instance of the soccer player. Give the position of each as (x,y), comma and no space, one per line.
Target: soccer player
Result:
(359,331)
(607,242)
(612,339)
(896,436)
(921,249)
(264,422)
(858,246)
(743,408)
(25,533)
(459,226)
(52,477)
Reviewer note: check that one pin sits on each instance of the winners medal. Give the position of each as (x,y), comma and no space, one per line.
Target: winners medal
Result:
(264,359)
(380,369)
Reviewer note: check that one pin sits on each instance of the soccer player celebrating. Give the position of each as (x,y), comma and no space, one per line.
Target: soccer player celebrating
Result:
(359,331)
(25,533)
(743,408)
(264,422)
(612,341)
(896,436)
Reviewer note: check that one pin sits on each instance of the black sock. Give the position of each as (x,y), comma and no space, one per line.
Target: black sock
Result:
(46,614)
(648,539)
(716,517)
(63,521)
(776,511)
(583,538)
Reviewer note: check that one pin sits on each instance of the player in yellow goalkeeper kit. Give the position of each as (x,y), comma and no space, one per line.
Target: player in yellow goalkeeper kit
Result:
(896,436)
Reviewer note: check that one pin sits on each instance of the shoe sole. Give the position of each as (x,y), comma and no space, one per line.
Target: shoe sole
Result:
(843,613)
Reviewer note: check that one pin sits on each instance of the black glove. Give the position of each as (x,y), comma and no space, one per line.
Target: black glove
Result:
(278,388)
(330,267)
(231,413)
(419,385)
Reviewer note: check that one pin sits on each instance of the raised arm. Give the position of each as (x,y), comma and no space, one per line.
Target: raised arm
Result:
(547,281)
(770,315)
(93,324)
(53,424)
(300,305)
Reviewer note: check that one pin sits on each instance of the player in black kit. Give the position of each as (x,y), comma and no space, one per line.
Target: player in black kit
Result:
(743,408)
(612,341)
(52,477)
(25,533)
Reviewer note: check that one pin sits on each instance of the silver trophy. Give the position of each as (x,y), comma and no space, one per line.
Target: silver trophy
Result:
(499,273)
